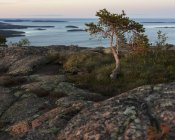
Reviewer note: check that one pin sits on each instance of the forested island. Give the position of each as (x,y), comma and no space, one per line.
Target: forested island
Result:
(6,29)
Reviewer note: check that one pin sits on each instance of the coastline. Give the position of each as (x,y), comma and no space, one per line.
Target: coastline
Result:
(71,31)
(9,30)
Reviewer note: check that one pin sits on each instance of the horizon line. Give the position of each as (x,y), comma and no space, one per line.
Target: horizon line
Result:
(81,17)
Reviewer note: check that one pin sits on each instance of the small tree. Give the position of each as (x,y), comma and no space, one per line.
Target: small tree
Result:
(140,43)
(23,42)
(2,40)
(161,39)
(113,27)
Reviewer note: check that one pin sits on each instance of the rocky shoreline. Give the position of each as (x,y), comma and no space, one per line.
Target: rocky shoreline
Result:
(39,103)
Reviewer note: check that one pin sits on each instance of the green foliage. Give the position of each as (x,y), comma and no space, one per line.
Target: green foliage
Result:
(2,40)
(136,69)
(151,68)
(140,43)
(23,42)
(161,39)
(86,61)
(112,26)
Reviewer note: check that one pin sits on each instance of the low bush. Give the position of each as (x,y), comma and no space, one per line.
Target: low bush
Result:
(86,61)
(150,67)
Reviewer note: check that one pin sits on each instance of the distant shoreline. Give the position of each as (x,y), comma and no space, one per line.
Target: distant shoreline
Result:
(72,31)
(156,22)
(12,26)
(11,33)
(32,20)
(6,29)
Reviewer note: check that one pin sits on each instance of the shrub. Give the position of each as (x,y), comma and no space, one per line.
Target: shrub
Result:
(86,61)
(2,40)
(140,43)
(136,70)
(161,40)
(24,42)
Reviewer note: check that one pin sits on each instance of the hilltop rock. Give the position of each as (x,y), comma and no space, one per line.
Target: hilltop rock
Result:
(143,113)
(38,103)
(25,60)
(21,60)
(56,87)
(6,99)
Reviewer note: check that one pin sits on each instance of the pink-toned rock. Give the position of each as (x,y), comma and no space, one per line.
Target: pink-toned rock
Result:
(48,115)
(126,117)
(19,128)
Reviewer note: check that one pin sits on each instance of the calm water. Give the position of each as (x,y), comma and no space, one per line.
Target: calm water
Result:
(59,35)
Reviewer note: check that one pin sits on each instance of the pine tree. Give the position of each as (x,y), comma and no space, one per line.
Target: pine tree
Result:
(113,27)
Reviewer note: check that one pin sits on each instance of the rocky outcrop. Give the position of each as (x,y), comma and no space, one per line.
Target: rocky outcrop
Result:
(21,60)
(25,60)
(143,113)
(37,105)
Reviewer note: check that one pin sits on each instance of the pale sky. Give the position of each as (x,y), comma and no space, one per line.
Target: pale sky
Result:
(85,8)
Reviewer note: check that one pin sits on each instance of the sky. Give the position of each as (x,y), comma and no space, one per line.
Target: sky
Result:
(85,8)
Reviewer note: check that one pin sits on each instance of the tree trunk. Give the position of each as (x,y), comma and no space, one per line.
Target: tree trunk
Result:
(116,71)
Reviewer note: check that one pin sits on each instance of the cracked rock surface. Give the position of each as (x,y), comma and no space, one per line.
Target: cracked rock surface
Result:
(37,105)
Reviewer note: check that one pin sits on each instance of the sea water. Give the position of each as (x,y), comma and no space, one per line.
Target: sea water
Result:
(60,36)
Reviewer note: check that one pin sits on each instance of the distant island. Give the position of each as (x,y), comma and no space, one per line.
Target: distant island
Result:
(40,29)
(166,27)
(76,30)
(156,22)
(12,33)
(12,26)
(30,20)
(71,26)
(48,21)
